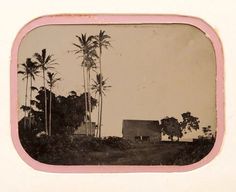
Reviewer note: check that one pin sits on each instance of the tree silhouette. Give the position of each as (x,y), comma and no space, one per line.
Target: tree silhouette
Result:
(51,83)
(101,40)
(45,62)
(30,69)
(189,122)
(33,72)
(67,112)
(86,50)
(99,86)
(173,128)
(207,131)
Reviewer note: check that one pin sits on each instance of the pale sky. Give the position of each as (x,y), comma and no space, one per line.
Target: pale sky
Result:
(155,70)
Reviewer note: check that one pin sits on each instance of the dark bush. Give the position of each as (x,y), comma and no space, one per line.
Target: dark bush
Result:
(117,143)
(192,153)
(68,149)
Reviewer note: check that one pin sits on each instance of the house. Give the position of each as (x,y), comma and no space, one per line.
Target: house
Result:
(84,129)
(141,130)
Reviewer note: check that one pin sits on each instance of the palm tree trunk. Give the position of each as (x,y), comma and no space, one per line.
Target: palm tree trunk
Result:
(26,91)
(98,121)
(100,92)
(30,112)
(50,113)
(89,102)
(45,104)
(101,103)
(85,96)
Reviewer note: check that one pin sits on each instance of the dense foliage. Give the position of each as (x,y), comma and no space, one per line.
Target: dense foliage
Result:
(173,128)
(86,150)
(191,152)
(67,112)
(69,149)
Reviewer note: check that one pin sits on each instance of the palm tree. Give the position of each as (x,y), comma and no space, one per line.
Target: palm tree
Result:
(25,73)
(29,71)
(51,83)
(99,86)
(44,61)
(101,40)
(86,50)
(33,71)
(89,65)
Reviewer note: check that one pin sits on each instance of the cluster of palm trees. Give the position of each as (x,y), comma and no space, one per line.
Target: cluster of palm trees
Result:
(29,70)
(90,48)
(39,63)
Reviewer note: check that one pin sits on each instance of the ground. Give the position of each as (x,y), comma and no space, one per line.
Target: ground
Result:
(165,153)
(88,150)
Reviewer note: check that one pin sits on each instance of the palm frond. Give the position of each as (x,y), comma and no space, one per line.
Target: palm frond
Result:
(49,57)
(34,88)
(44,55)
(25,108)
(34,102)
(77,45)
(21,72)
(38,57)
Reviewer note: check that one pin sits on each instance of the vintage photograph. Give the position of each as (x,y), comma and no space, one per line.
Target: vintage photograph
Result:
(117,94)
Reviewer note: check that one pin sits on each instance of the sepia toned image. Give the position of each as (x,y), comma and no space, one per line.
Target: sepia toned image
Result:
(117,94)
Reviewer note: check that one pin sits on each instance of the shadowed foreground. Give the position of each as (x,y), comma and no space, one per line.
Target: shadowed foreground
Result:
(67,150)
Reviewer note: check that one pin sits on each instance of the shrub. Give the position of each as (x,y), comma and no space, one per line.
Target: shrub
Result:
(117,143)
(68,149)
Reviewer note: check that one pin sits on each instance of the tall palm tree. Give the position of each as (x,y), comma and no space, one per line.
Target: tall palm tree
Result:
(29,71)
(25,73)
(99,86)
(90,64)
(101,40)
(86,50)
(44,61)
(33,71)
(51,83)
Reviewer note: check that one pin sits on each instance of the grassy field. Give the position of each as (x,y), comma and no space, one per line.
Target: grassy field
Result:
(63,150)
(165,153)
